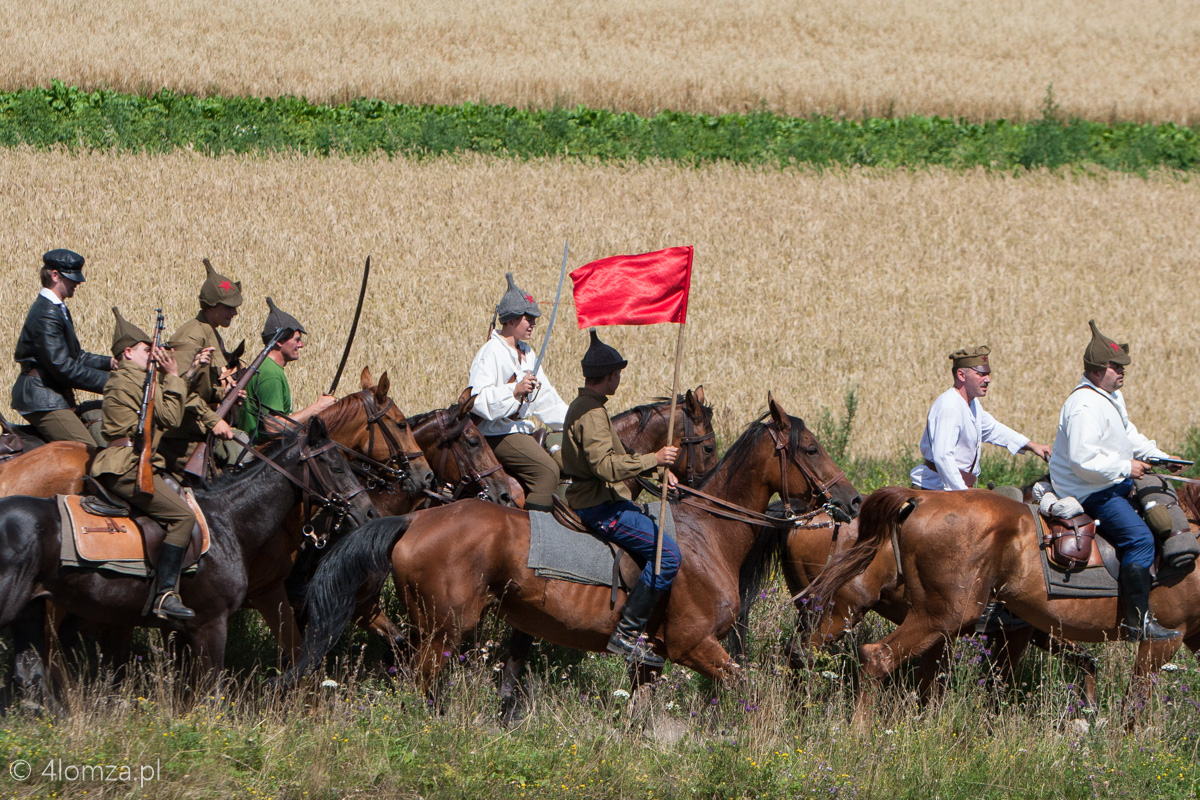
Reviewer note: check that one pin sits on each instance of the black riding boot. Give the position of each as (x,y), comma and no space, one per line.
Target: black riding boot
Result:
(167,603)
(634,618)
(1139,623)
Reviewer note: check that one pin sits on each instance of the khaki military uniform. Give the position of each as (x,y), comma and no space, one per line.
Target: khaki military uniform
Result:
(204,391)
(593,455)
(116,465)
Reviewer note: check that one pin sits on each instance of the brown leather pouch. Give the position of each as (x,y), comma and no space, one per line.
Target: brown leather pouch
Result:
(1070,540)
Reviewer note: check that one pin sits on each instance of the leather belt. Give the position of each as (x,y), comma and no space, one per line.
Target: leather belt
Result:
(122,442)
(969,478)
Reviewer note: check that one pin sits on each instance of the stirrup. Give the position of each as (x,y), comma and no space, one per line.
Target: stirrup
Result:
(169,605)
(1149,630)
(636,651)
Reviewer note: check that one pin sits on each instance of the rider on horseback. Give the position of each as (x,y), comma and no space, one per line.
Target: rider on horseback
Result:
(116,466)
(1098,455)
(957,426)
(269,392)
(503,381)
(219,301)
(52,362)
(598,463)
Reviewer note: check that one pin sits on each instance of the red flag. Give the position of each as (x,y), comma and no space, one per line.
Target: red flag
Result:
(634,290)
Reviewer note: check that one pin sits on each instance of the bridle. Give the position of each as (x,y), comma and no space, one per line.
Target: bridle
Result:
(450,430)
(388,475)
(817,489)
(691,444)
(313,490)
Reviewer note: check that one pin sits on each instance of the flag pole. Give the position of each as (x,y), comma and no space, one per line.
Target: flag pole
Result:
(662,509)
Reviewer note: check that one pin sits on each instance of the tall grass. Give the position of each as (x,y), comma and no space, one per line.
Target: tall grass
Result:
(1109,60)
(804,283)
(372,734)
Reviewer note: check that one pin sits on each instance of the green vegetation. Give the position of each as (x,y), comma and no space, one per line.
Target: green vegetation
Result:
(66,116)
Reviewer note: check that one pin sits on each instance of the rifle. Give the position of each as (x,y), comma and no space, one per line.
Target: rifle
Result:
(195,464)
(144,438)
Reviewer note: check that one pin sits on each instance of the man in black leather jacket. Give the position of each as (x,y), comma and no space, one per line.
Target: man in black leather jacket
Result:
(52,363)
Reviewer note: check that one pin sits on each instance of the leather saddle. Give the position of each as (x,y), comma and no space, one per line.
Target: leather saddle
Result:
(105,531)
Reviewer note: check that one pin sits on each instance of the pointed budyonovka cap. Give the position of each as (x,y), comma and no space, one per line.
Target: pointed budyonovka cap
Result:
(975,357)
(126,334)
(279,319)
(219,290)
(1101,350)
(68,263)
(601,359)
(516,303)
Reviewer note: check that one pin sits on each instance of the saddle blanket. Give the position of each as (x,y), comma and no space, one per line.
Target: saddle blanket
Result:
(563,554)
(117,544)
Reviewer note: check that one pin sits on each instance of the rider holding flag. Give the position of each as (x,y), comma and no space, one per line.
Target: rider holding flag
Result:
(509,396)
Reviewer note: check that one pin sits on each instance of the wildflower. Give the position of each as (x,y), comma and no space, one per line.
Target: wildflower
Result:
(329,683)
(620,694)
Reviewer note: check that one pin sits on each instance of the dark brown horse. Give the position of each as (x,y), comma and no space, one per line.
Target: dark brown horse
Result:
(244,512)
(958,551)
(452,564)
(643,429)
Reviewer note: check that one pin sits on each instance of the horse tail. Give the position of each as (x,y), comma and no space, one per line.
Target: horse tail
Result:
(360,559)
(883,512)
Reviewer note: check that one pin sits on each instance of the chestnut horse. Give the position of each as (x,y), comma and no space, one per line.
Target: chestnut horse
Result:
(244,512)
(960,550)
(452,564)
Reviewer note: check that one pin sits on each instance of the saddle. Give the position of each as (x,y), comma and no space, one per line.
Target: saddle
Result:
(1069,541)
(100,535)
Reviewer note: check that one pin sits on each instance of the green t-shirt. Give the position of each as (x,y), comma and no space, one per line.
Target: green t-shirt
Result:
(268,392)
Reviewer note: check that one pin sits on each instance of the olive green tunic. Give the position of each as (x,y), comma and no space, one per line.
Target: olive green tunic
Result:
(593,455)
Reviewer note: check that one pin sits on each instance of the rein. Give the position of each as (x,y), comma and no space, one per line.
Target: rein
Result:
(386,476)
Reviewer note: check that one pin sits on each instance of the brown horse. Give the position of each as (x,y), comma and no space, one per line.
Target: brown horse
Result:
(880,588)
(958,551)
(643,429)
(244,511)
(451,564)
(366,423)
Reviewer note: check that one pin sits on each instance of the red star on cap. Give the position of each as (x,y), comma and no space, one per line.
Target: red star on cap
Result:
(226,286)
(1114,345)
(985,359)
(529,298)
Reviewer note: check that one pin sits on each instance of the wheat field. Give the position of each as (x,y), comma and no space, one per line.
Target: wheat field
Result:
(804,284)
(1105,58)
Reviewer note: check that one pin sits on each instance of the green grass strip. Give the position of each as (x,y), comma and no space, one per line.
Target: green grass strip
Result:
(64,115)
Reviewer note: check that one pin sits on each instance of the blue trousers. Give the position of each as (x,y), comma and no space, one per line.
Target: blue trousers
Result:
(624,524)
(1121,524)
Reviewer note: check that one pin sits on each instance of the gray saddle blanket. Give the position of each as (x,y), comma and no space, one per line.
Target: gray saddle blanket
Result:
(562,554)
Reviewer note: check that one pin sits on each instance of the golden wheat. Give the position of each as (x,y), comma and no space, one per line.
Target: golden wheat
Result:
(1105,58)
(804,283)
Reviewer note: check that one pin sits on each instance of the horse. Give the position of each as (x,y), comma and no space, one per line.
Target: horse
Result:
(880,588)
(958,551)
(366,425)
(244,512)
(452,564)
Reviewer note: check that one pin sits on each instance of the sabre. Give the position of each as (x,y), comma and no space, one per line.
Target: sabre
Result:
(537,364)
(362,292)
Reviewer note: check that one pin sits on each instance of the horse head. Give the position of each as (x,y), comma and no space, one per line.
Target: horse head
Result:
(459,454)
(328,479)
(698,447)
(388,440)
(802,459)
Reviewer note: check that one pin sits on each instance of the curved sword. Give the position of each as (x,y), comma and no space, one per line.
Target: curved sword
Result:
(537,364)
(362,292)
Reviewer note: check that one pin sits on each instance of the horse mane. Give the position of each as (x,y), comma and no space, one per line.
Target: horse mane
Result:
(417,420)
(740,450)
(340,412)
(230,478)
(646,411)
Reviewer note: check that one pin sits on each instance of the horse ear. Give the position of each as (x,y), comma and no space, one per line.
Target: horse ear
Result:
(778,415)
(381,391)
(700,394)
(694,409)
(466,402)
(317,432)
(365,378)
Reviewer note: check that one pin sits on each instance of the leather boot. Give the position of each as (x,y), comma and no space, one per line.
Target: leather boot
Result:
(626,639)
(167,602)
(1139,624)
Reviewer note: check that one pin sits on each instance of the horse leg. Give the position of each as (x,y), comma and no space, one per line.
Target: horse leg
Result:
(915,636)
(1076,656)
(280,618)
(1151,655)
(934,663)
(369,615)
(513,706)
(29,675)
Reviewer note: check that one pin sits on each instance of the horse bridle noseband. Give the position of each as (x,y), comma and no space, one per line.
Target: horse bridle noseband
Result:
(448,443)
(691,442)
(387,475)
